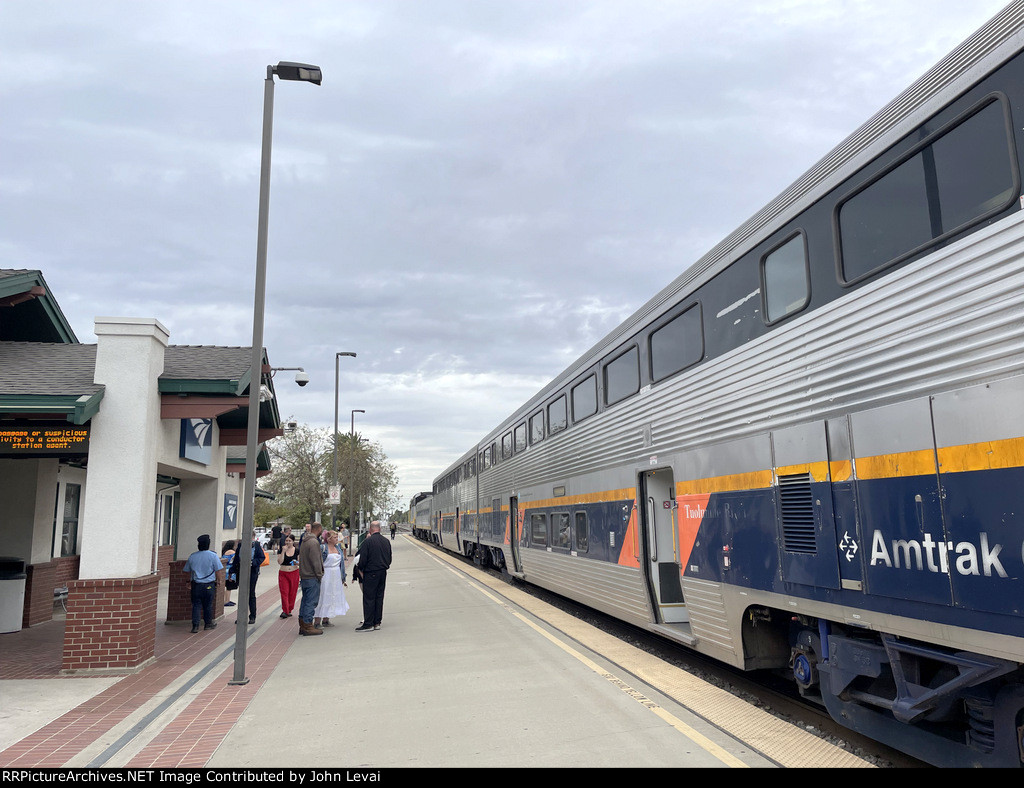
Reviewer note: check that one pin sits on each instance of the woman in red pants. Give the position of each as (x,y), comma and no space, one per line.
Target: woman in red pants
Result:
(288,575)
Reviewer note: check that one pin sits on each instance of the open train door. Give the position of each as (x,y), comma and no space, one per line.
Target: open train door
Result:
(660,538)
(513,526)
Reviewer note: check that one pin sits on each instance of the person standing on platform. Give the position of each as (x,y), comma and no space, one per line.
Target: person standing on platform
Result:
(257,561)
(203,566)
(230,583)
(311,570)
(275,538)
(288,575)
(394,527)
(374,559)
(332,586)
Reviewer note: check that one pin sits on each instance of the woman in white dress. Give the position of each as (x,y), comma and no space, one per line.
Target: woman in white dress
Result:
(332,585)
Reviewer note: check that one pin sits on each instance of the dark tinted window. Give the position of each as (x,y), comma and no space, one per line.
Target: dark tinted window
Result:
(677,344)
(584,399)
(561,533)
(537,427)
(557,418)
(538,529)
(506,446)
(786,286)
(622,376)
(582,532)
(521,437)
(963,175)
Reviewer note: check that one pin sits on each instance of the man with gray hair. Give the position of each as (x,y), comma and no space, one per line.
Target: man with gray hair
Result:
(374,560)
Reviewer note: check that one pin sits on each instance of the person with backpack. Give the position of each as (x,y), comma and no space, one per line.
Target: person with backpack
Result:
(258,557)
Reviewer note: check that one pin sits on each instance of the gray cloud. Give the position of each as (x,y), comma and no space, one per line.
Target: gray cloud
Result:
(476,194)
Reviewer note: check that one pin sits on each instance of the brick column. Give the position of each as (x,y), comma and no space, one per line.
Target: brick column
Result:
(179,595)
(40,580)
(111,623)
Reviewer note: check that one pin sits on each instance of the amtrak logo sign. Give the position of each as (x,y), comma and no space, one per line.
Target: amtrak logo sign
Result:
(197,440)
(230,511)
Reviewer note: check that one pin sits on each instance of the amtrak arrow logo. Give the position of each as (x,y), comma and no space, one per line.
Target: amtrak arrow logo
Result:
(848,546)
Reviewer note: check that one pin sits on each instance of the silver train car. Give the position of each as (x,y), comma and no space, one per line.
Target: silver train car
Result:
(806,454)
(420,515)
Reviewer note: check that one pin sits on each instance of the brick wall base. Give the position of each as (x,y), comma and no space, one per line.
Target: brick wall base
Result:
(40,580)
(67,569)
(110,624)
(179,595)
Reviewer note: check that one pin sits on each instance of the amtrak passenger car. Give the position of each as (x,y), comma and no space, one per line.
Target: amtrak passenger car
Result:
(420,515)
(807,452)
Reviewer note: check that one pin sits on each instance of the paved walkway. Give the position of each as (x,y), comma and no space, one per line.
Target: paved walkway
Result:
(466,671)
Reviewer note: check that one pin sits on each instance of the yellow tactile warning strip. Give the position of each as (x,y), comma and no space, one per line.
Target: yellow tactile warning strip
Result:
(785,744)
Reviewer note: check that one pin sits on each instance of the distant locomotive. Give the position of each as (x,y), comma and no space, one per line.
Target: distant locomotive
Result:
(807,452)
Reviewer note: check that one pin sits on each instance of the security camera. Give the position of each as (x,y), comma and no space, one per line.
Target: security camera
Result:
(301,378)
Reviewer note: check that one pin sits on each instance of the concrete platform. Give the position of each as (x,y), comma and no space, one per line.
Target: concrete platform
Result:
(466,671)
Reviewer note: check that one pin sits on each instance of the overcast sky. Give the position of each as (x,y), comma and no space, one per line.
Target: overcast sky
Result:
(478,192)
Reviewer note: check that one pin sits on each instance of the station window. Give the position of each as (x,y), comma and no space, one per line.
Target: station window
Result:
(677,344)
(962,176)
(538,529)
(537,427)
(622,376)
(506,446)
(561,532)
(584,399)
(69,529)
(787,285)
(557,417)
(582,533)
(521,437)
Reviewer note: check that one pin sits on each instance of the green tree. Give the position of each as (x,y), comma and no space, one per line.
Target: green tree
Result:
(297,479)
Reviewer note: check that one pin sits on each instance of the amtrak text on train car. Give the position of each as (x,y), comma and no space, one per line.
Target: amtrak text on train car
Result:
(934,555)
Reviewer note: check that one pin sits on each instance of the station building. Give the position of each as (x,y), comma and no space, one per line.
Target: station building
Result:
(114,458)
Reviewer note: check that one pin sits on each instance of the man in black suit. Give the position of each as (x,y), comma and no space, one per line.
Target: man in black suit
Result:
(374,560)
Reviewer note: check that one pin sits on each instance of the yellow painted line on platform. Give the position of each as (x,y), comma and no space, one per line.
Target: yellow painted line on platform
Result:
(693,735)
(785,744)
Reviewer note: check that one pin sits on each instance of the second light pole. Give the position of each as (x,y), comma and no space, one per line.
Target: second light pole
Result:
(337,358)
(352,528)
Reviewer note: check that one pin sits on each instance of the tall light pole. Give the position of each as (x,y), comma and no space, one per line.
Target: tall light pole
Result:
(337,358)
(352,528)
(298,72)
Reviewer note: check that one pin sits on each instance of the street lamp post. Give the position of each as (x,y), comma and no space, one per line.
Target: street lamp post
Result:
(352,528)
(299,72)
(337,358)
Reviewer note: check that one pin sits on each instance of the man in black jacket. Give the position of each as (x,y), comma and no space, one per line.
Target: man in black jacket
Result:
(373,559)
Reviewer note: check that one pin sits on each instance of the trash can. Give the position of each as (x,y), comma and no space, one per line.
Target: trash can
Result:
(12,593)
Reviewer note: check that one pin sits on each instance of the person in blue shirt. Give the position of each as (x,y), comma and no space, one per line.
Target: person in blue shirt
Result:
(203,566)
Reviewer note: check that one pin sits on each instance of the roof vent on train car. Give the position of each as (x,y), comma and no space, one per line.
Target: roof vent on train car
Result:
(797,506)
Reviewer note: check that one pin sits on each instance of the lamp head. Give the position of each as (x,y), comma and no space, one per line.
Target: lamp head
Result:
(298,72)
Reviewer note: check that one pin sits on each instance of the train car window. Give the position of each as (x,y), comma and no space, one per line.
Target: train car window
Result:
(506,446)
(584,399)
(582,533)
(485,459)
(537,427)
(961,175)
(557,417)
(521,437)
(538,529)
(561,533)
(786,279)
(622,376)
(677,345)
